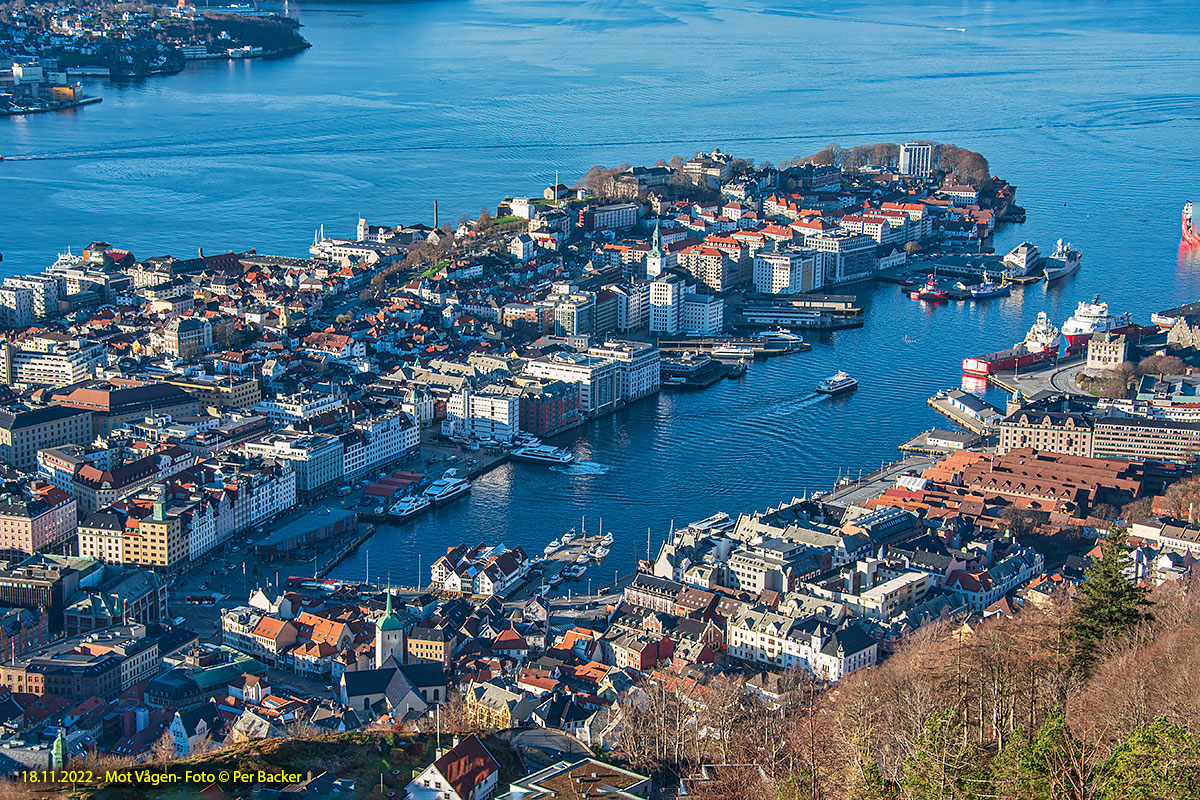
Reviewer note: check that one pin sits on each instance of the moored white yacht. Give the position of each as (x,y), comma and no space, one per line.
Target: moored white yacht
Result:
(409,506)
(444,490)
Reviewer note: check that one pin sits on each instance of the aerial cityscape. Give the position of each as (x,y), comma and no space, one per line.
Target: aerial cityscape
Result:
(468,401)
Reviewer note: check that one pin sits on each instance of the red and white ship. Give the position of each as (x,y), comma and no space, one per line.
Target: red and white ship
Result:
(1091,318)
(1040,344)
(1190,236)
(930,291)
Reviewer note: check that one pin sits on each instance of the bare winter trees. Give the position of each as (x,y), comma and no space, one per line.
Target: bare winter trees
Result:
(996,710)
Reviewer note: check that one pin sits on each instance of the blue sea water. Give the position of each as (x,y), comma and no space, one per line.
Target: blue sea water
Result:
(1091,108)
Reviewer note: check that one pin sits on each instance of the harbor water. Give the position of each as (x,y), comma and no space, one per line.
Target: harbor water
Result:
(1090,108)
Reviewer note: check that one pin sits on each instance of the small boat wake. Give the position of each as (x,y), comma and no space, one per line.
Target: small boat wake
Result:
(798,404)
(581,468)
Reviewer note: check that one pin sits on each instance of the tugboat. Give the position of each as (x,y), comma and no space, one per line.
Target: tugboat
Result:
(837,384)
(1190,236)
(930,291)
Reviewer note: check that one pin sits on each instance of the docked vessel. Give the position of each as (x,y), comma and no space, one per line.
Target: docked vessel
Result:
(930,291)
(837,384)
(607,539)
(600,553)
(569,536)
(1064,261)
(444,490)
(407,507)
(989,289)
(1190,236)
(1040,344)
(1022,260)
(732,352)
(784,338)
(543,453)
(1091,318)
(552,548)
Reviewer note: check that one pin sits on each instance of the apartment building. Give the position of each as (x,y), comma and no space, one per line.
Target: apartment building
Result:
(316,457)
(596,378)
(49,360)
(637,363)
(26,429)
(35,516)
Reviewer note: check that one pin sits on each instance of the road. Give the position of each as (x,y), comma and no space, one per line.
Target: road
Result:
(873,485)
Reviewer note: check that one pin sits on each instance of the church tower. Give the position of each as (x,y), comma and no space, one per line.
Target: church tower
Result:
(363,229)
(389,635)
(656,261)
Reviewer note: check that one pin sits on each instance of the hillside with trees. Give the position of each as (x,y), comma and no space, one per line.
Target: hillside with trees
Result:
(1088,697)
(958,164)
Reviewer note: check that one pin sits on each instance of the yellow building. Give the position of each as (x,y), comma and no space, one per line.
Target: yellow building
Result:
(235,392)
(157,542)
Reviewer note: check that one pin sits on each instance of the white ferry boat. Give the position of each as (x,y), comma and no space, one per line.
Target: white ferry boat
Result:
(543,453)
(731,351)
(444,490)
(407,507)
(837,384)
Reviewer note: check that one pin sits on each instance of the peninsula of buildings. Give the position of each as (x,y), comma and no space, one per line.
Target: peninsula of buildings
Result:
(188,442)
(50,46)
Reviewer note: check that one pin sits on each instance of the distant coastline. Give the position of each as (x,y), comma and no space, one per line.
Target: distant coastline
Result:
(50,52)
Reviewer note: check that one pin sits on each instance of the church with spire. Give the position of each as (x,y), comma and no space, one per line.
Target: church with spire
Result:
(389,635)
(656,259)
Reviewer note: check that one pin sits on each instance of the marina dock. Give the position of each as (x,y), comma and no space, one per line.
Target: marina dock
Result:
(760,345)
(975,420)
(936,442)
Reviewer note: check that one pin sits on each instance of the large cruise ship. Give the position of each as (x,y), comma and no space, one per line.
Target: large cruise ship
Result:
(1091,318)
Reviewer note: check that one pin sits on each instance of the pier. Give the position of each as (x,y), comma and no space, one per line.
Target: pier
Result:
(706,344)
(937,442)
(944,405)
